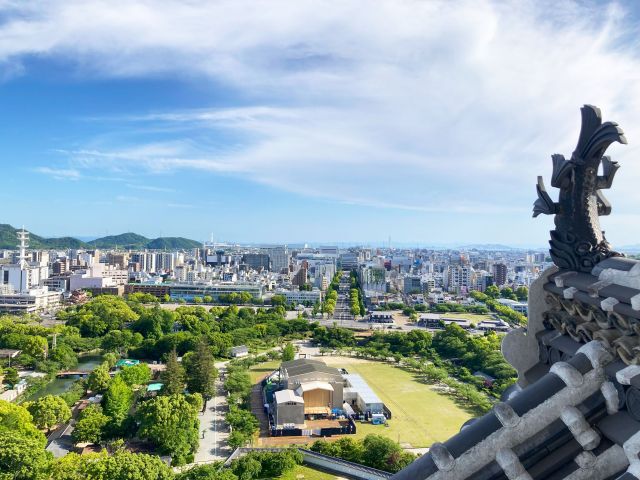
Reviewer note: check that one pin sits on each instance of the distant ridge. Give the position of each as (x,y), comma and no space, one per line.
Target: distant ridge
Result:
(125,241)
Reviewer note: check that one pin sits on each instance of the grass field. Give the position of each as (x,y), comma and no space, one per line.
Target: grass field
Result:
(305,473)
(260,370)
(473,317)
(420,415)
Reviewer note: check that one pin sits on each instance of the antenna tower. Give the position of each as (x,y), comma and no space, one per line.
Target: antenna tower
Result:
(23,238)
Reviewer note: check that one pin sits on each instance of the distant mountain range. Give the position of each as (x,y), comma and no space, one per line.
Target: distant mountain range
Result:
(134,241)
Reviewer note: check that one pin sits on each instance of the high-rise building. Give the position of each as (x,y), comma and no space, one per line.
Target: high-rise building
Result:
(412,284)
(500,274)
(165,261)
(279,257)
(256,261)
(300,278)
(118,259)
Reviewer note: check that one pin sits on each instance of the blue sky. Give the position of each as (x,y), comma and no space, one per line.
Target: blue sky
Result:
(318,121)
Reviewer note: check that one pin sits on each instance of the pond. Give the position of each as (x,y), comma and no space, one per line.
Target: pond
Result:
(86,363)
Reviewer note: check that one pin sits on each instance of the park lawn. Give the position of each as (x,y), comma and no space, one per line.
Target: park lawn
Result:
(259,371)
(420,415)
(302,472)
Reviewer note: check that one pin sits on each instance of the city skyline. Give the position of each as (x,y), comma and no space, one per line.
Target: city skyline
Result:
(298,123)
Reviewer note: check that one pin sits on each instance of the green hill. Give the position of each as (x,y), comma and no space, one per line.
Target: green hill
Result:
(129,240)
(172,243)
(8,240)
(124,240)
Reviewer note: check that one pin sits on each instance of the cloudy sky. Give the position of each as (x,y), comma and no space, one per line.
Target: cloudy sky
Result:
(308,120)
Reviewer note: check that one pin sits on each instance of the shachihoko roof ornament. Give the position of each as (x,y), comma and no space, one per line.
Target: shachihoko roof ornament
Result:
(577,243)
(574,413)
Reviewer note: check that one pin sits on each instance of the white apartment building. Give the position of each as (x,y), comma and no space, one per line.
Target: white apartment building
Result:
(458,278)
(98,276)
(297,296)
(23,278)
(34,300)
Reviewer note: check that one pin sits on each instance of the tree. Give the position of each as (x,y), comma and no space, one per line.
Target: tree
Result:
(288,352)
(382,453)
(117,400)
(11,376)
(110,359)
(101,315)
(120,341)
(173,376)
(119,466)
(171,422)
(64,356)
(507,292)
(201,371)
(49,411)
(278,300)
(247,467)
(99,379)
(238,382)
(492,291)
(22,457)
(136,374)
(90,425)
(243,422)
(237,439)
(522,293)
(214,471)
(22,454)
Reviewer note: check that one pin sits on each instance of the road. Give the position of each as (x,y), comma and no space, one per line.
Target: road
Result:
(342,312)
(213,445)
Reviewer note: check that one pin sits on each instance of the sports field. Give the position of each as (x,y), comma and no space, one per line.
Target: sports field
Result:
(420,415)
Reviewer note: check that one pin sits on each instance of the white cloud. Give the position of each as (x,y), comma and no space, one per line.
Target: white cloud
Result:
(150,188)
(401,103)
(59,173)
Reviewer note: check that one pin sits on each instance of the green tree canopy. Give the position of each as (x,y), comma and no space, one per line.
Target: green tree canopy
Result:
(173,376)
(49,411)
(492,291)
(201,371)
(22,457)
(117,400)
(11,376)
(288,352)
(17,418)
(208,472)
(120,466)
(90,426)
(522,293)
(64,356)
(98,380)
(136,374)
(238,382)
(171,422)
(99,316)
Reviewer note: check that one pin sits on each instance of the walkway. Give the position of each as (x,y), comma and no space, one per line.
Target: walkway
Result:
(213,446)
(257,408)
